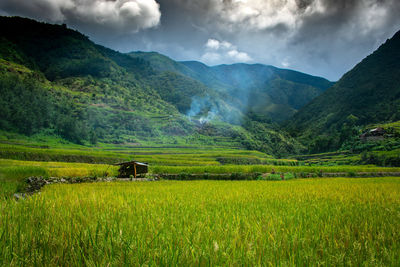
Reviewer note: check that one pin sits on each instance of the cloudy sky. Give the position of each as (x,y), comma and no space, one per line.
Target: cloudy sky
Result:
(319,37)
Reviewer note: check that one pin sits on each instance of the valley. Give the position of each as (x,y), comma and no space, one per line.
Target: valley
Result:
(249,164)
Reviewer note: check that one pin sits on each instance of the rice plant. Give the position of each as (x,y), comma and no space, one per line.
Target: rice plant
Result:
(308,222)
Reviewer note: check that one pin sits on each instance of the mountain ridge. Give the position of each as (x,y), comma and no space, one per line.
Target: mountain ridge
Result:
(369,93)
(85,92)
(54,80)
(247,85)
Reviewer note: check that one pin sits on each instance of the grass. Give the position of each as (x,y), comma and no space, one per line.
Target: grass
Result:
(14,172)
(299,222)
(57,169)
(271,168)
(50,150)
(305,222)
(394,125)
(329,158)
(12,178)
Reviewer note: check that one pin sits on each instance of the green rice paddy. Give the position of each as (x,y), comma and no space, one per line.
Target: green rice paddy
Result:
(307,222)
(296,222)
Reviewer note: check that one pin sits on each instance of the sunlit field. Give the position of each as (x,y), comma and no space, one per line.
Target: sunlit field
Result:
(269,168)
(307,222)
(303,222)
(56,169)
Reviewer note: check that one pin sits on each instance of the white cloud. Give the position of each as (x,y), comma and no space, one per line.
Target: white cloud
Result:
(213,44)
(226,45)
(116,16)
(218,52)
(239,56)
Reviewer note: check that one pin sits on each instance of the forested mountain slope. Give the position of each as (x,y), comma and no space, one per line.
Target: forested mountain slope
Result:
(263,92)
(367,94)
(54,80)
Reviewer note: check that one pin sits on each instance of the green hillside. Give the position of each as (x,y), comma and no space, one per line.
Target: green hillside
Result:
(161,63)
(369,93)
(79,86)
(55,81)
(271,93)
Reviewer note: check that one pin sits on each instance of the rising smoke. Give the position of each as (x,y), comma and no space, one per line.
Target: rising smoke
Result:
(204,109)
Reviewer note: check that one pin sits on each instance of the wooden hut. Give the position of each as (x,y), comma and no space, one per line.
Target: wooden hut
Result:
(132,168)
(376,134)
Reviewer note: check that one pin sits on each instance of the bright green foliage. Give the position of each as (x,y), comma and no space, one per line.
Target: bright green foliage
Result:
(331,222)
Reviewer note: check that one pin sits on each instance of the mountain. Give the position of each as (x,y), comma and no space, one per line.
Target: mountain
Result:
(367,94)
(172,80)
(86,90)
(163,63)
(54,80)
(263,92)
(268,91)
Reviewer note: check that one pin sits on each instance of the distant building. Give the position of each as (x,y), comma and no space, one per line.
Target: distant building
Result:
(373,135)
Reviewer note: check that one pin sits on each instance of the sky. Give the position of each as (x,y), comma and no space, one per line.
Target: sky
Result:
(319,37)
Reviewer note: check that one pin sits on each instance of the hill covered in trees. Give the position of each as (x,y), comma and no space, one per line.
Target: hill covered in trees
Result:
(367,94)
(262,92)
(55,81)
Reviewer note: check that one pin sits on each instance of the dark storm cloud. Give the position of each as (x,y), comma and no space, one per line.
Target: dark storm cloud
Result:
(347,31)
(321,37)
(94,16)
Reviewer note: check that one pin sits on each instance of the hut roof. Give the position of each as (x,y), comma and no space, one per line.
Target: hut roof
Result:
(132,162)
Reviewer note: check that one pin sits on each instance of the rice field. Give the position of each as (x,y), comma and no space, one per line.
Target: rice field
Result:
(306,222)
(14,172)
(270,168)
(296,222)
(11,168)
(105,153)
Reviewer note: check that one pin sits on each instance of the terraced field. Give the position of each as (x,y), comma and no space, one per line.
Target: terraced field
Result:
(20,158)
